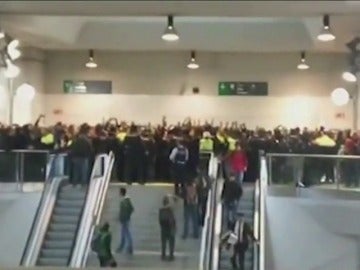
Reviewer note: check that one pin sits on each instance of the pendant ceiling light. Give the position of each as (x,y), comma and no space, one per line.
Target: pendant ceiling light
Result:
(170,33)
(303,65)
(326,34)
(193,64)
(91,63)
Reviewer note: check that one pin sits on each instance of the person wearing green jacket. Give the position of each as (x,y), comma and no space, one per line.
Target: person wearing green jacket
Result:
(105,256)
(126,210)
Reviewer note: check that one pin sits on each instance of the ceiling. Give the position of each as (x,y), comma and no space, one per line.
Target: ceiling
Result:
(219,26)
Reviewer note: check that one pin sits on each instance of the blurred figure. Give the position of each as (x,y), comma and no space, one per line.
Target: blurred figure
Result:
(179,157)
(168,229)
(81,153)
(126,210)
(134,154)
(191,213)
(103,251)
(230,196)
(243,232)
(239,163)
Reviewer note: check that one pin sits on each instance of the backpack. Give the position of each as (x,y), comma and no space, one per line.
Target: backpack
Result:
(166,219)
(181,155)
(96,242)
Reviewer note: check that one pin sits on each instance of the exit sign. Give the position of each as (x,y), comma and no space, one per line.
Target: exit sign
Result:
(243,89)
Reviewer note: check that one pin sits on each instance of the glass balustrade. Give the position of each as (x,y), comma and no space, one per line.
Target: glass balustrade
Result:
(327,171)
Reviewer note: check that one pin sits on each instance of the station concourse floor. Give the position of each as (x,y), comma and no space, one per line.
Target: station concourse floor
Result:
(145,230)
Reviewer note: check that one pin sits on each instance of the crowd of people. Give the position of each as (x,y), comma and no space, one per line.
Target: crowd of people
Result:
(142,152)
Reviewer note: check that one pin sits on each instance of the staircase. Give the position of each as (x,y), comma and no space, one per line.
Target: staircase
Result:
(62,230)
(246,206)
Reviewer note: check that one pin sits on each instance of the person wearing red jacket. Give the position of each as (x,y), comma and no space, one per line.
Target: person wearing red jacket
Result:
(239,163)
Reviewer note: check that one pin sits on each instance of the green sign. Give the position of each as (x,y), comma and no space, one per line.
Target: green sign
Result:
(243,89)
(87,87)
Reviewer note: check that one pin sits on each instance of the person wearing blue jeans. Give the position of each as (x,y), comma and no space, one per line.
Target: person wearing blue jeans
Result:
(80,173)
(191,213)
(126,210)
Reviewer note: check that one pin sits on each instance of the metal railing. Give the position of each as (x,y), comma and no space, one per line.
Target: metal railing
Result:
(205,262)
(21,166)
(100,178)
(260,230)
(343,171)
(44,210)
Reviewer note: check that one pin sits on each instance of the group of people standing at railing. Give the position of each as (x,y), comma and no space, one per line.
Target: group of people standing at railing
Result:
(142,151)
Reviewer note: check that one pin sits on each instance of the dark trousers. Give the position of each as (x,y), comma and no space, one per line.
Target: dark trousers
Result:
(180,177)
(133,171)
(238,257)
(80,170)
(167,237)
(191,214)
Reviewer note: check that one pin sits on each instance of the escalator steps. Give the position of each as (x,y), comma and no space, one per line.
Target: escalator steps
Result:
(62,229)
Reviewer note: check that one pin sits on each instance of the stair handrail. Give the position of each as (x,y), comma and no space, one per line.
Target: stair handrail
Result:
(263,184)
(217,224)
(256,216)
(43,213)
(207,232)
(98,209)
(93,206)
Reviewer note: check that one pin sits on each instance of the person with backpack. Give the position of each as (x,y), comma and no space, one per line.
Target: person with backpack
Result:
(239,239)
(168,229)
(126,210)
(231,194)
(101,244)
(179,157)
(191,210)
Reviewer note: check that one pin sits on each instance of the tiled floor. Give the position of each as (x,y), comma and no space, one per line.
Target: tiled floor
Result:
(146,232)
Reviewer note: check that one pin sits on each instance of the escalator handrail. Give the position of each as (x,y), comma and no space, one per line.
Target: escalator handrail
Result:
(217,225)
(97,190)
(257,197)
(97,213)
(206,238)
(43,202)
(39,232)
(263,183)
(86,212)
(39,207)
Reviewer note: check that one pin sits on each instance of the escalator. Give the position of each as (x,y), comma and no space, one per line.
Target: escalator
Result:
(61,234)
(247,207)
(65,220)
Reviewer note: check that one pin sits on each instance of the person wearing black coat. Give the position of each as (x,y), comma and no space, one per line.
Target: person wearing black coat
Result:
(230,196)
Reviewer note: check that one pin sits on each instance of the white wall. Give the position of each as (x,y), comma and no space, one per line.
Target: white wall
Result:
(165,73)
(312,235)
(147,85)
(255,111)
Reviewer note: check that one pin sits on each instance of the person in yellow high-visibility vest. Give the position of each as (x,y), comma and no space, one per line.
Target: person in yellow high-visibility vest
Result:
(206,148)
(206,143)
(48,140)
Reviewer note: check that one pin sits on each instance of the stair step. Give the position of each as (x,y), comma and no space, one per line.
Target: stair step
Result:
(65,219)
(55,253)
(52,262)
(63,227)
(54,235)
(75,211)
(69,203)
(58,244)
